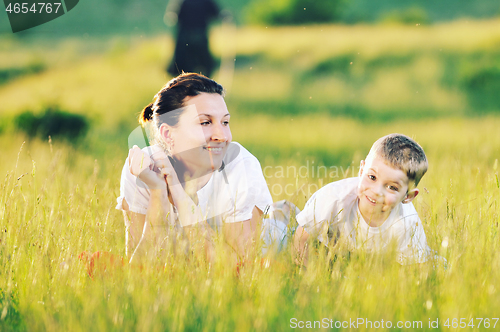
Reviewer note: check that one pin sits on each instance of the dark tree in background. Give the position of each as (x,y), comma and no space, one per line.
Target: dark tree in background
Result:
(192,53)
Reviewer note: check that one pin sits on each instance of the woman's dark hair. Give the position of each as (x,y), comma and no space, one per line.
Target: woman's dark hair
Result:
(171,97)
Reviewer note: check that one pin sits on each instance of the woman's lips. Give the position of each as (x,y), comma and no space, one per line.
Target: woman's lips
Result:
(214,150)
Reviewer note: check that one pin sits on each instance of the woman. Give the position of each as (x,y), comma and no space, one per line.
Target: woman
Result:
(193,180)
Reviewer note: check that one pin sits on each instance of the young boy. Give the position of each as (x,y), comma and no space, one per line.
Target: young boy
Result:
(373,211)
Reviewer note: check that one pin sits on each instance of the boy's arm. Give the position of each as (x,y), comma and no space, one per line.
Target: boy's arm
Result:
(414,248)
(314,218)
(300,250)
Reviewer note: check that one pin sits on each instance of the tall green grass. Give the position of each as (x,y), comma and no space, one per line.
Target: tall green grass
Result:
(57,202)
(293,110)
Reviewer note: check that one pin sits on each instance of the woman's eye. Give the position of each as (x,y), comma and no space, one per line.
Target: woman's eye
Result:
(226,123)
(205,123)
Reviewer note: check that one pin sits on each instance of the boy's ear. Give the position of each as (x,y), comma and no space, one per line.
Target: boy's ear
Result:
(361,166)
(411,195)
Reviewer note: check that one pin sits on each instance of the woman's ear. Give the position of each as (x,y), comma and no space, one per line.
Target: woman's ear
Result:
(165,131)
(361,166)
(410,195)
(166,135)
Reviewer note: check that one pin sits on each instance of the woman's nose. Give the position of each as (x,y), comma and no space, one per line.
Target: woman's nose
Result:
(220,133)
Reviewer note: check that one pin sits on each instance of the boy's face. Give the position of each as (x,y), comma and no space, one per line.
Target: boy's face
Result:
(381,188)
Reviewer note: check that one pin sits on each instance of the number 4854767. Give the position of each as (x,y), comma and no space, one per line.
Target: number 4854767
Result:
(480,322)
(36,8)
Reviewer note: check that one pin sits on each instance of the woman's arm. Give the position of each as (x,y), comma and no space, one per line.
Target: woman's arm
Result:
(134,224)
(242,236)
(300,250)
(146,234)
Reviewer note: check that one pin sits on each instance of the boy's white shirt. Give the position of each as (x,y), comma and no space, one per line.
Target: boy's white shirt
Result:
(333,209)
(229,196)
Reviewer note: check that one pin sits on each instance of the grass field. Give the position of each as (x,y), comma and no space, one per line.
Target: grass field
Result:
(296,101)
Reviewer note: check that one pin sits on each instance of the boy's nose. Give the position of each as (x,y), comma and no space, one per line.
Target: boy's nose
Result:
(378,190)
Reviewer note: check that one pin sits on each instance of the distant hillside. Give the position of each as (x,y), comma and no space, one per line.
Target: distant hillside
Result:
(437,11)
(96,17)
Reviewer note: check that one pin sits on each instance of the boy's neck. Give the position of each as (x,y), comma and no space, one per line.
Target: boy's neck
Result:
(374,220)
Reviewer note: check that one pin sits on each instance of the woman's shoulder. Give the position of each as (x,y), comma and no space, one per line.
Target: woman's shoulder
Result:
(237,153)
(239,162)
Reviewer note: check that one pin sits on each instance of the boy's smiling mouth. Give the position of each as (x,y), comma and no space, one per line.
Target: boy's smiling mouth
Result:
(371,200)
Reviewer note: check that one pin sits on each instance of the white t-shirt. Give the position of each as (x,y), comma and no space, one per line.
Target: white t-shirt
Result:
(229,196)
(332,212)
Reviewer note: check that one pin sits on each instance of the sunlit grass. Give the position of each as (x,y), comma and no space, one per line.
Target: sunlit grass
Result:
(102,87)
(370,41)
(57,200)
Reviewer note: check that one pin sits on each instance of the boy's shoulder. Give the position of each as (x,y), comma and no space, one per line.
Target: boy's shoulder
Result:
(408,212)
(329,201)
(340,188)
(404,215)
(338,191)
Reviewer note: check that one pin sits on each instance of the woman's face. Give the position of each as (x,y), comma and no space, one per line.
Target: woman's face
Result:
(202,136)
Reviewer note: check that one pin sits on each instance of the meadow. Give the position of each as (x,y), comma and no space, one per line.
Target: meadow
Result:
(314,97)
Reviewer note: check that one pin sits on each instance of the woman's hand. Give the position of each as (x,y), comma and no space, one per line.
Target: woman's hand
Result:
(162,165)
(157,172)
(146,169)
(188,210)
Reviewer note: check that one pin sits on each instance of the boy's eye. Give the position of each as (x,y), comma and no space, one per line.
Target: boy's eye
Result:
(393,188)
(372,177)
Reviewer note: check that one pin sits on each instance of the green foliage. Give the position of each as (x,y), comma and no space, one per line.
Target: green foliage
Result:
(293,12)
(482,87)
(334,65)
(10,318)
(478,75)
(53,122)
(417,10)
(411,15)
(7,74)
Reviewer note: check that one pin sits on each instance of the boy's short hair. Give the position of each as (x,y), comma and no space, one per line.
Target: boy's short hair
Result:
(401,152)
